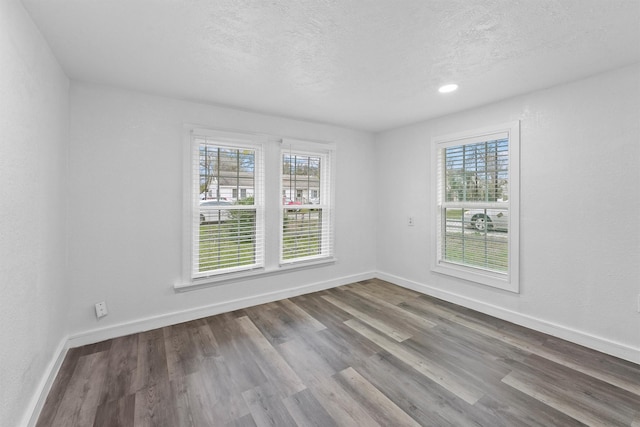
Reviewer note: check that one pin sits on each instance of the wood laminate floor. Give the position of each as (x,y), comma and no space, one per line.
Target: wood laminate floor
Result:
(365,354)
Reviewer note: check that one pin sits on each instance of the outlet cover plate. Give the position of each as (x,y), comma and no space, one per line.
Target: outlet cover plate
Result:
(101,309)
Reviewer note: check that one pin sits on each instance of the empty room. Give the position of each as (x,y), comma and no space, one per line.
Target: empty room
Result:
(319,213)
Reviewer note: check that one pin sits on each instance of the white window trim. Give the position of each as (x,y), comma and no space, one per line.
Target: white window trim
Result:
(190,200)
(271,152)
(510,280)
(250,274)
(326,153)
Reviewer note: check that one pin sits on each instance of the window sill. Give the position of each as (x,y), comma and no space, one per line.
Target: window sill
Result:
(222,279)
(483,277)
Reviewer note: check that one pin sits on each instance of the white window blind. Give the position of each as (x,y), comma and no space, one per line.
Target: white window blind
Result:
(227,209)
(476,205)
(306,213)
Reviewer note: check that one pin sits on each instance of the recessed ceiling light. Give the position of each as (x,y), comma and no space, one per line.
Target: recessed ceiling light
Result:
(448,88)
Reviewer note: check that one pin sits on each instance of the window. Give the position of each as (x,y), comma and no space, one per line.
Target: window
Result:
(476,205)
(227,204)
(306,215)
(254,204)
(243,193)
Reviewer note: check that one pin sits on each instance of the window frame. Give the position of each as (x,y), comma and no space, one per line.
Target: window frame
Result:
(326,153)
(508,281)
(234,140)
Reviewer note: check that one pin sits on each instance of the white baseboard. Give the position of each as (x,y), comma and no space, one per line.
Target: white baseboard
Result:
(42,391)
(160,321)
(604,345)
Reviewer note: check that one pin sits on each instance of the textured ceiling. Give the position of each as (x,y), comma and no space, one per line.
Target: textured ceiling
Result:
(365,64)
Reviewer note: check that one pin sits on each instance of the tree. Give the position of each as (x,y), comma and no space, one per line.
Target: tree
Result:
(216,162)
(476,172)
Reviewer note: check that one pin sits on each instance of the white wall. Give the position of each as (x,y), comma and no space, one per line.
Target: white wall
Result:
(125,210)
(580,233)
(34,117)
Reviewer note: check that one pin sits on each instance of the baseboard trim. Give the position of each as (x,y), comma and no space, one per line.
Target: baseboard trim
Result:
(604,345)
(160,321)
(44,387)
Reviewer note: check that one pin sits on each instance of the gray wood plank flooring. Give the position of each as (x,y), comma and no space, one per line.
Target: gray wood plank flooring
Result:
(365,354)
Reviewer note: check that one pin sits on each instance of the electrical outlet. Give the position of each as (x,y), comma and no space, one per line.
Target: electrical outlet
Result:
(411,221)
(101,309)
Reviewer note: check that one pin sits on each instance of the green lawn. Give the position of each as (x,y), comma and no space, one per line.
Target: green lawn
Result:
(454,213)
(226,245)
(477,249)
(232,243)
(301,234)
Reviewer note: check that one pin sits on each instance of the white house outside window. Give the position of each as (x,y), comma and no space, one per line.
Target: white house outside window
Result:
(476,205)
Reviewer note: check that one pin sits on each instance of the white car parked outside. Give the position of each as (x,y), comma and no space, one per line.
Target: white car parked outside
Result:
(487,219)
(210,211)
